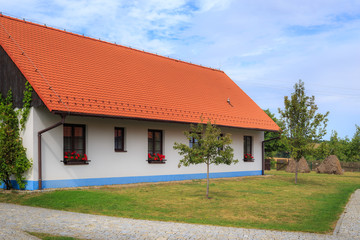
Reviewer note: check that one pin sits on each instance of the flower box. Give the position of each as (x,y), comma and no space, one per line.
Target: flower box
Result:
(74,158)
(156,161)
(248,157)
(82,162)
(156,158)
(249,160)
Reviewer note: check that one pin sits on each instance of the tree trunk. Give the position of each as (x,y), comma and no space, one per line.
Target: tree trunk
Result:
(296,170)
(7,184)
(207,181)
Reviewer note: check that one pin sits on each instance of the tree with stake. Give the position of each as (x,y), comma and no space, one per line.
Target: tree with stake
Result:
(209,147)
(302,126)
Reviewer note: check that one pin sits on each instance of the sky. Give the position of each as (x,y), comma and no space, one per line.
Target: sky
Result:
(265,47)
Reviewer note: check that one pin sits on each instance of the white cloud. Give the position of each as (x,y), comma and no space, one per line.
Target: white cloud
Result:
(265,46)
(216,5)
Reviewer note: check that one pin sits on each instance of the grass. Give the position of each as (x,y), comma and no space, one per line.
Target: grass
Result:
(266,202)
(46,236)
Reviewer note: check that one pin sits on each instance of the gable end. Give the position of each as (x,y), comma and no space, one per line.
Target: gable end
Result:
(12,78)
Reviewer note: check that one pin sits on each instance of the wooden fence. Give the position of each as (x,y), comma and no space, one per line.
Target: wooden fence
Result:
(350,166)
(281,164)
(346,166)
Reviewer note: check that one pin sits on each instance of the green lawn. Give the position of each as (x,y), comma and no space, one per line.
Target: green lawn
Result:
(267,202)
(46,236)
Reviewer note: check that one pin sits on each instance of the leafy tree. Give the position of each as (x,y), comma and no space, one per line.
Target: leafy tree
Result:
(13,159)
(275,146)
(339,147)
(355,146)
(302,125)
(345,149)
(210,147)
(320,152)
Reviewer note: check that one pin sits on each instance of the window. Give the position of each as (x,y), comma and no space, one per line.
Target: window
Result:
(119,139)
(74,144)
(155,142)
(221,148)
(248,148)
(194,142)
(247,145)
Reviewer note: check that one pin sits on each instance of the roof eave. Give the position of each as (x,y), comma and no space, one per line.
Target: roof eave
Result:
(149,119)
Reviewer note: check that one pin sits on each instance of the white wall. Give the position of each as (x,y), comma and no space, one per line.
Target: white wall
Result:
(105,162)
(28,142)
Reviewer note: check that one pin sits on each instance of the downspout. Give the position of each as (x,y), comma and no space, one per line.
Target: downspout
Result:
(263,153)
(39,148)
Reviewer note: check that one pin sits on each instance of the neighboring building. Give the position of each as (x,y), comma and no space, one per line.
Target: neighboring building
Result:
(117,104)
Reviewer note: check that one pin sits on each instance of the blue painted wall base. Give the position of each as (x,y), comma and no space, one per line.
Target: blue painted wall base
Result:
(33,185)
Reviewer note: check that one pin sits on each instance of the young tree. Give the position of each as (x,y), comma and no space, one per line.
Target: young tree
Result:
(209,147)
(13,160)
(302,125)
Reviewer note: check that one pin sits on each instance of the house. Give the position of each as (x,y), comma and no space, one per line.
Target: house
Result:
(117,104)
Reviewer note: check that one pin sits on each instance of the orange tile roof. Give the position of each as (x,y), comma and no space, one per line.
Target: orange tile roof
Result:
(81,75)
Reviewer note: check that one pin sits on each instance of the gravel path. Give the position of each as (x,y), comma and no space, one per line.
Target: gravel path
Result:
(15,219)
(349,222)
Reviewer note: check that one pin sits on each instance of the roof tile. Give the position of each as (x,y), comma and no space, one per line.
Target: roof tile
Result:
(81,75)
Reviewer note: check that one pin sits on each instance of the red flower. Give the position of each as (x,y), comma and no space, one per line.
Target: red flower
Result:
(85,157)
(72,157)
(66,157)
(156,156)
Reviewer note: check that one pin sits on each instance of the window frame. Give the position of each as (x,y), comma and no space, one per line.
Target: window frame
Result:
(83,126)
(220,136)
(122,138)
(192,141)
(161,140)
(246,147)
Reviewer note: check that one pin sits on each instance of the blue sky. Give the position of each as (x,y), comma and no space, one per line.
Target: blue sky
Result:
(264,46)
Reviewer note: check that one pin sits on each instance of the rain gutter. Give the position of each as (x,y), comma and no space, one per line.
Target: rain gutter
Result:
(263,152)
(39,148)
